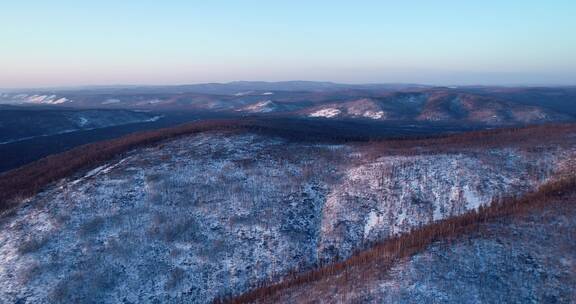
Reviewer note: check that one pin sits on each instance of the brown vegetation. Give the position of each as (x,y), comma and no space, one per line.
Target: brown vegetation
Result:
(532,137)
(382,256)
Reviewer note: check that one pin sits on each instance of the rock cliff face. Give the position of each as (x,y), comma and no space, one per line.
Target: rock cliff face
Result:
(216,213)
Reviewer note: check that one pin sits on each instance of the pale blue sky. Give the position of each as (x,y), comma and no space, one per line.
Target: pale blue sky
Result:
(54,43)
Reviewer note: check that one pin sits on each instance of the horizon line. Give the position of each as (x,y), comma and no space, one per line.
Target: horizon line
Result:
(423,84)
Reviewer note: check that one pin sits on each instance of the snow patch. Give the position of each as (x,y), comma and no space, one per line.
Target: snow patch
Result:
(374,114)
(60,100)
(328,113)
(260,107)
(155,118)
(473,199)
(373,221)
(45,99)
(98,170)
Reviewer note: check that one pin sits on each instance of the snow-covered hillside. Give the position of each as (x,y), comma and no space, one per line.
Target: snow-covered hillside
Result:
(458,106)
(265,106)
(216,213)
(527,258)
(22,98)
(436,106)
(362,108)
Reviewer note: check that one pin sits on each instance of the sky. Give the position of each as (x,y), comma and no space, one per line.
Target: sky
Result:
(71,43)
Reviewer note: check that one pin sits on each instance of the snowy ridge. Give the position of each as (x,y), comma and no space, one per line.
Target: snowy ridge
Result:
(326,113)
(361,108)
(264,106)
(34,98)
(97,171)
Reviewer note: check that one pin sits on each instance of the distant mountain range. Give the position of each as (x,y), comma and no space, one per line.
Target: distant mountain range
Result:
(228,88)
(438,105)
(326,100)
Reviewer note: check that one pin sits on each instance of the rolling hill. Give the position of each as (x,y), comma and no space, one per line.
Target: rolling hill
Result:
(211,210)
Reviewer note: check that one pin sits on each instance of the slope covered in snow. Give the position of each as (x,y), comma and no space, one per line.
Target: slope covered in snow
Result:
(437,106)
(527,258)
(217,213)
(264,106)
(362,108)
(23,98)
